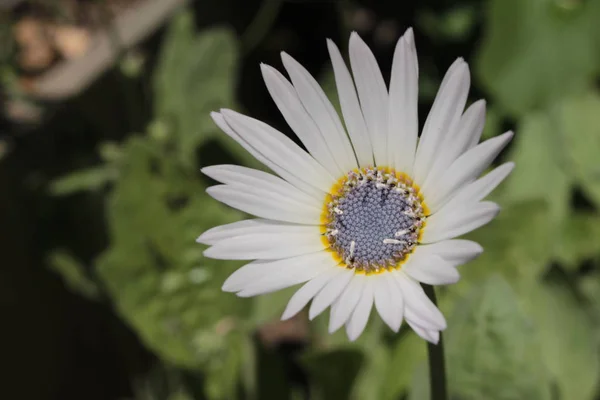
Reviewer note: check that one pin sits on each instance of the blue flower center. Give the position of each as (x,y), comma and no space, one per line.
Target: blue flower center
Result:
(374,220)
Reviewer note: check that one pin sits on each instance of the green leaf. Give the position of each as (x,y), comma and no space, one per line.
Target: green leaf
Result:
(406,355)
(555,150)
(74,275)
(536,52)
(541,171)
(173,55)
(490,351)
(566,337)
(579,122)
(419,388)
(516,245)
(578,240)
(157,277)
(590,287)
(196,74)
(368,385)
(453,25)
(332,373)
(83,180)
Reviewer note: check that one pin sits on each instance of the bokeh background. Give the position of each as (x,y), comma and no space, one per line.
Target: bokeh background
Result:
(104,125)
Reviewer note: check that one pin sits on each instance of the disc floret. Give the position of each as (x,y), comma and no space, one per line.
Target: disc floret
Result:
(373,219)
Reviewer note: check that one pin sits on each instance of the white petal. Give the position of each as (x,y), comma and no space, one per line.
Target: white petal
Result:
(279,149)
(403,121)
(288,242)
(470,129)
(360,316)
(265,205)
(261,270)
(432,336)
(455,251)
(243,276)
(309,290)
(289,272)
(430,269)
(470,126)
(235,174)
(322,112)
(397,298)
(330,292)
(373,95)
(386,301)
(464,170)
(457,221)
(445,112)
(290,176)
(353,116)
(478,190)
(287,100)
(245,227)
(417,305)
(342,309)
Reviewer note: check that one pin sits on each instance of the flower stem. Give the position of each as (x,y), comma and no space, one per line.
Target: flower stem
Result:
(437,365)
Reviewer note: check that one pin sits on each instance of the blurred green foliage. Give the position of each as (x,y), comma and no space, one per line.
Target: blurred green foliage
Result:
(523,320)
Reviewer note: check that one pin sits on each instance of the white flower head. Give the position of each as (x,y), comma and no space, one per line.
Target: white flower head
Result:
(371,209)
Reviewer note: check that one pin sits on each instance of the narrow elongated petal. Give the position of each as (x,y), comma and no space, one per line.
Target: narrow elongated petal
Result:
(397,298)
(353,115)
(417,304)
(235,174)
(289,272)
(305,294)
(465,169)
(470,126)
(330,293)
(388,301)
(403,122)
(445,113)
(287,100)
(268,246)
(431,269)
(373,95)
(291,176)
(322,112)
(260,204)
(245,227)
(432,336)
(469,130)
(458,221)
(278,148)
(248,273)
(265,270)
(344,306)
(360,316)
(455,251)
(478,190)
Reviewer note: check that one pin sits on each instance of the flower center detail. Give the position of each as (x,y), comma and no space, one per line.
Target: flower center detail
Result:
(372,219)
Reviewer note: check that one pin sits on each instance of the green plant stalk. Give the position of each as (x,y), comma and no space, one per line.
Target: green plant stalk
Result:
(437,364)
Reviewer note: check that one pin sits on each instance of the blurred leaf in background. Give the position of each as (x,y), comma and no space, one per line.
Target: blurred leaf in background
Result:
(491,347)
(565,333)
(535,52)
(154,271)
(196,74)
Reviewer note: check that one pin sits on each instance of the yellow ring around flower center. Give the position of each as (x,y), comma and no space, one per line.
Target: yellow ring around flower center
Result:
(372,219)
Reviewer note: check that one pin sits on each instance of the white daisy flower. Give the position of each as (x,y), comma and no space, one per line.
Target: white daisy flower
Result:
(371,209)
